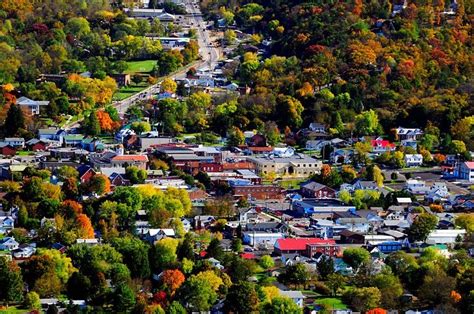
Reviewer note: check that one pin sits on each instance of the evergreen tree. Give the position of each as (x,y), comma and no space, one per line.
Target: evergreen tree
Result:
(14,120)
(92,124)
(11,281)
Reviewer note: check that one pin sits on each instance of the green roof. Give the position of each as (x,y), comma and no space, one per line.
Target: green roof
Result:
(74,137)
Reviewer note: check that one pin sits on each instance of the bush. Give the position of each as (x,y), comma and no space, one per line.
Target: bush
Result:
(321,288)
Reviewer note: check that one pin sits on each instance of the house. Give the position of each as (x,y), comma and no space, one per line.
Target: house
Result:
(341,156)
(365,185)
(92,144)
(7,223)
(85,173)
(294,295)
(316,144)
(129,160)
(389,246)
(347,236)
(380,146)
(8,244)
(266,227)
(438,192)
(413,160)
(16,142)
(317,190)
(258,140)
(203,221)
(465,171)
(283,151)
(445,236)
(7,150)
(215,263)
(409,143)
(408,134)
(37,145)
(317,127)
(308,207)
(169,43)
(154,235)
(416,186)
(51,134)
(73,139)
(306,246)
(24,251)
(31,106)
(261,239)
(248,215)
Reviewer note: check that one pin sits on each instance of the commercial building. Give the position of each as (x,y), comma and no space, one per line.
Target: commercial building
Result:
(299,165)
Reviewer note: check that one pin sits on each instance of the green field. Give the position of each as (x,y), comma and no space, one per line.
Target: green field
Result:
(12,310)
(143,66)
(334,303)
(128,91)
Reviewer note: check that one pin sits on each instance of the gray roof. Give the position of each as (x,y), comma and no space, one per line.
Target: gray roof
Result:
(313,186)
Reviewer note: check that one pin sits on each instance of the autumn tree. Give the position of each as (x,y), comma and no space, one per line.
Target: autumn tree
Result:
(173,279)
(99,184)
(85,229)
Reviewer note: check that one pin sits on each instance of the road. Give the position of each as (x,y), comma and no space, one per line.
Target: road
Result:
(209,56)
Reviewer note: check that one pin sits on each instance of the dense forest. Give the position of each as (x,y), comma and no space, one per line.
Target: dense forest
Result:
(333,60)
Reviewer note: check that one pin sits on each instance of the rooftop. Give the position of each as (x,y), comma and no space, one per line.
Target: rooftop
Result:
(300,243)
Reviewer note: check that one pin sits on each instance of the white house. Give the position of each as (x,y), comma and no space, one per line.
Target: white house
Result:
(259,239)
(408,134)
(413,160)
(317,127)
(416,186)
(18,142)
(445,236)
(32,106)
(158,234)
(465,171)
(296,296)
(7,223)
(283,151)
(438,192)
(8,244)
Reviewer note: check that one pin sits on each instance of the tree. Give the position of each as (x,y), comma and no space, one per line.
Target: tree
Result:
(235,137)
(281,305)
(99,184)
(422,227)
(140,126)
(137,79)
(325,267)
(135,174)
(214,249)
(457,147)
(267,262)
(32,301)
(272,133)
(230,36)
(85,229)
(173,279)
(135,255)
(211,277)
(363,299)
(197,294)
(334,282)
(176,308)
(236,245)
(362,150)
(390,288)
(436,288)
(465,221)
(242,298)
(11,281)
(14,120)
(295,274)
(164,253)
(377,176)
(92,125)
(67,172)
(168,85)
(355,257)
(106,124)
(367,123)
(124,298)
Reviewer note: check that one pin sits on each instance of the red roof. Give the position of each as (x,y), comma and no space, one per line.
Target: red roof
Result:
(469,164)
(299,244)
(383,143)
(247,255)
(143,158)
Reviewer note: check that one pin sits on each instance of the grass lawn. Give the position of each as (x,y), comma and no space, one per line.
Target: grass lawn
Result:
(24,153)
(143,66)
(12,310)
(291,184)
(334,303)
(128,91)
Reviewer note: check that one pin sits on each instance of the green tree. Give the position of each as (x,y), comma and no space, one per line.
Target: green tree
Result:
(230,36)
(325,267)
(457,147)
(367,123)
(236,245)
(390,288)
(14,120)
(355,257)
(281,305)
(363,299)
(272,133)
(124,298)
(214,249)
(164,253)
(295,274)
(197,294)
(92,125)
(422,227)
(32,301)
(135,174)
(11,281)
(135,255)
(67,172)
(267,262)
(465,221)
(176,308)
(335,282)
(242,298)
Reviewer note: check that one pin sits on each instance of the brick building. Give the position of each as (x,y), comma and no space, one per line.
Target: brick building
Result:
(306,246)
(259,192)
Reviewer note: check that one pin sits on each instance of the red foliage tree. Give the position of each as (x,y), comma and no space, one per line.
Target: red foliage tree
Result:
(85,229)
(173,279)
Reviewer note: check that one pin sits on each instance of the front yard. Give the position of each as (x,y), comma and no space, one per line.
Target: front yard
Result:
(142,66)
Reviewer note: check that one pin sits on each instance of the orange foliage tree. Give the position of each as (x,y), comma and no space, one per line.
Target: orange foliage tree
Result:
(72,208)
(173,279)
(85,229)
(106,123)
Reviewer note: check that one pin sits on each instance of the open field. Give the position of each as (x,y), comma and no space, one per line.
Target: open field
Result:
(142,66)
